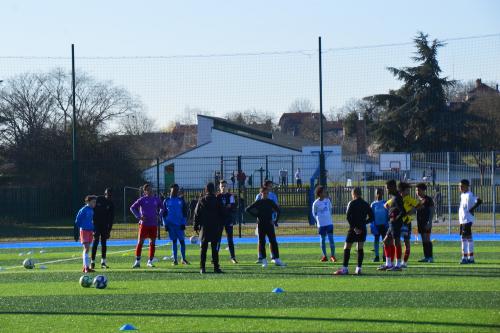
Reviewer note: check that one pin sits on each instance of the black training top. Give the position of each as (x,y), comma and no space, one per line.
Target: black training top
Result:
(359,213)
(104,212)
(396,209)
(263,210)
(424,212)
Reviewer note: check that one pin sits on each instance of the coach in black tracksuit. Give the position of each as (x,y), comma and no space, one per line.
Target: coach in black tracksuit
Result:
(104,215)
(359,214)
(209,221)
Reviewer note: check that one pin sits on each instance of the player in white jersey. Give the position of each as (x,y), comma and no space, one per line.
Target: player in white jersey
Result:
(322,212)
(468,204)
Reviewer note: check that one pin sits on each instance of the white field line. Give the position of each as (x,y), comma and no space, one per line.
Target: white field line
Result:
(73,258)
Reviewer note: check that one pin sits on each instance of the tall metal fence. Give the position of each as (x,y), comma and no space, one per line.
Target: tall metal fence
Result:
(45,211)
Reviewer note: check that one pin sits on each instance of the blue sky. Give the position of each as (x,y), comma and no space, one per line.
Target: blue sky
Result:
(167,28)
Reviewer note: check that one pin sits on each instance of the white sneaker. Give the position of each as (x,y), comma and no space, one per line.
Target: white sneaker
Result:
(137,264)
(278,262)
(150,264)
(259,261)
(358,271)
(273,261)
(264,263)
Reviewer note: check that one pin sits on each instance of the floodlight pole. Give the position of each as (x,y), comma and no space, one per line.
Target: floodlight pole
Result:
(74,161)
(322,172)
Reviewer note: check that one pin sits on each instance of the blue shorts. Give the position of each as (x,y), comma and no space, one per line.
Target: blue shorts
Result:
(327,229)
(175,232)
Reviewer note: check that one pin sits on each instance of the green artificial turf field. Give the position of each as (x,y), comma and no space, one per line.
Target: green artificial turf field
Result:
(439,297)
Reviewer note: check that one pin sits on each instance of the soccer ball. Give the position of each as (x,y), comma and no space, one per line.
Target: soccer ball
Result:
(85,281)
(193,240)
(100,282)
(29,263)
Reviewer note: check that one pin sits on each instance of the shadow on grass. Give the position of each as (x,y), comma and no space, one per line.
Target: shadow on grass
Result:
(226,316)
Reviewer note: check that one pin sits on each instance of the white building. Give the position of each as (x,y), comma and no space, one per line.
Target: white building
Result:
(221,143)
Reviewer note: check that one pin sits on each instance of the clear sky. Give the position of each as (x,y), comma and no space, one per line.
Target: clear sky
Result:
(124,28)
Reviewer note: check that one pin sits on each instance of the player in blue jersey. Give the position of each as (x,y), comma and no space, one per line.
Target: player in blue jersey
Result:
(174,220)
(84,222)
(380,224)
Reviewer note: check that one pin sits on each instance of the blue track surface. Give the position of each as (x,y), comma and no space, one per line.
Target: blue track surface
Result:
(246,240)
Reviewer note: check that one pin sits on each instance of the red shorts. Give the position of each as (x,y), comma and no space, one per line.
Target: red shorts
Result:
(148,231)
(86,236)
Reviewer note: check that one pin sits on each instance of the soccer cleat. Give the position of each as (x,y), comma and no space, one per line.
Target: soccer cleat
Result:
(395,269)
(464,261)
(218,271)
(150,263)
(104,266)
(278,262)
(185,262)
(358,271)
(92,265)
(424,260)
(384,267)
(341,271)
(175,263)
(471,261)
(137,264)
(264,263)
(234,261)
(376,259)
(323,259)
(333,259)
(430,260)
(259,261)
(202,271)
(404,265)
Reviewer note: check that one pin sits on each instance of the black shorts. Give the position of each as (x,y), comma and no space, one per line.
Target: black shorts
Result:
(395,229)
(466,230)
(422,227)
(101,233)
(352,237)
(406,231)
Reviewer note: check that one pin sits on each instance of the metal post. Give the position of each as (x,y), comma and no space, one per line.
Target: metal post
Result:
(239,199)
(74,160)
(124,205)
(322,173)
(158,192)
(292,176)
(493,191)
(449,190)
(267,167)
(365,187)
(221,169)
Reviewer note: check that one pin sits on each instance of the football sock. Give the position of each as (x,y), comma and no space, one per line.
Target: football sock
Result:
(429,249)
(407,254)
(332,244)
(95,244)
(399,252)
(347,254)
(361,254)
(425,247)
(376,246)
(174,249)
(323,245)
(464,248)
(104,248)
(388,256)
(103,261)
(151,250)
(470,247)
(138,249)
(86,260)
(183,248)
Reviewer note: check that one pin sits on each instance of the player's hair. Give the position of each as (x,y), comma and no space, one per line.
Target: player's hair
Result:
(174,185)
(109,190)
(357,191)
(390,183)
(89,198)
(379,190)
(146,186)
(465,182)
(319,190)
(402,186)
(210,188)
(422,186)
(268,182)
(223,181)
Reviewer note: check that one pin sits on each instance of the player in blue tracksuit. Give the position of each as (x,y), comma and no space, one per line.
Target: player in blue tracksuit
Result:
(85,226)
(381,223)
(174,220)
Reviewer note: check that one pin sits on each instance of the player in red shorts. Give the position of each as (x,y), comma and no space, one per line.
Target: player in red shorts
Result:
(84,223)
(146,209)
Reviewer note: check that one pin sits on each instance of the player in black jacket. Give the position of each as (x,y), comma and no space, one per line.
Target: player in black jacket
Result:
(104,214)
(424,221)
(359,214)
(229,204)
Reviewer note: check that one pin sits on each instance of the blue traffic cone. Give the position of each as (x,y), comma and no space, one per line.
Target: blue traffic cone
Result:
(128,327)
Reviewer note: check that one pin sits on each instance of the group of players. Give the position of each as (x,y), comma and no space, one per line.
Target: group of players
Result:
(215,212)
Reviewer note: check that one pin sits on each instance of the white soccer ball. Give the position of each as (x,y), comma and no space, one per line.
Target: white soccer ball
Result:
(29,263)
(193,240)
(100,282)
(85,281)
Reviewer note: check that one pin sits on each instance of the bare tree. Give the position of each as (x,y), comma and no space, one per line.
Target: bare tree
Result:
(136,123)
(301,105)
